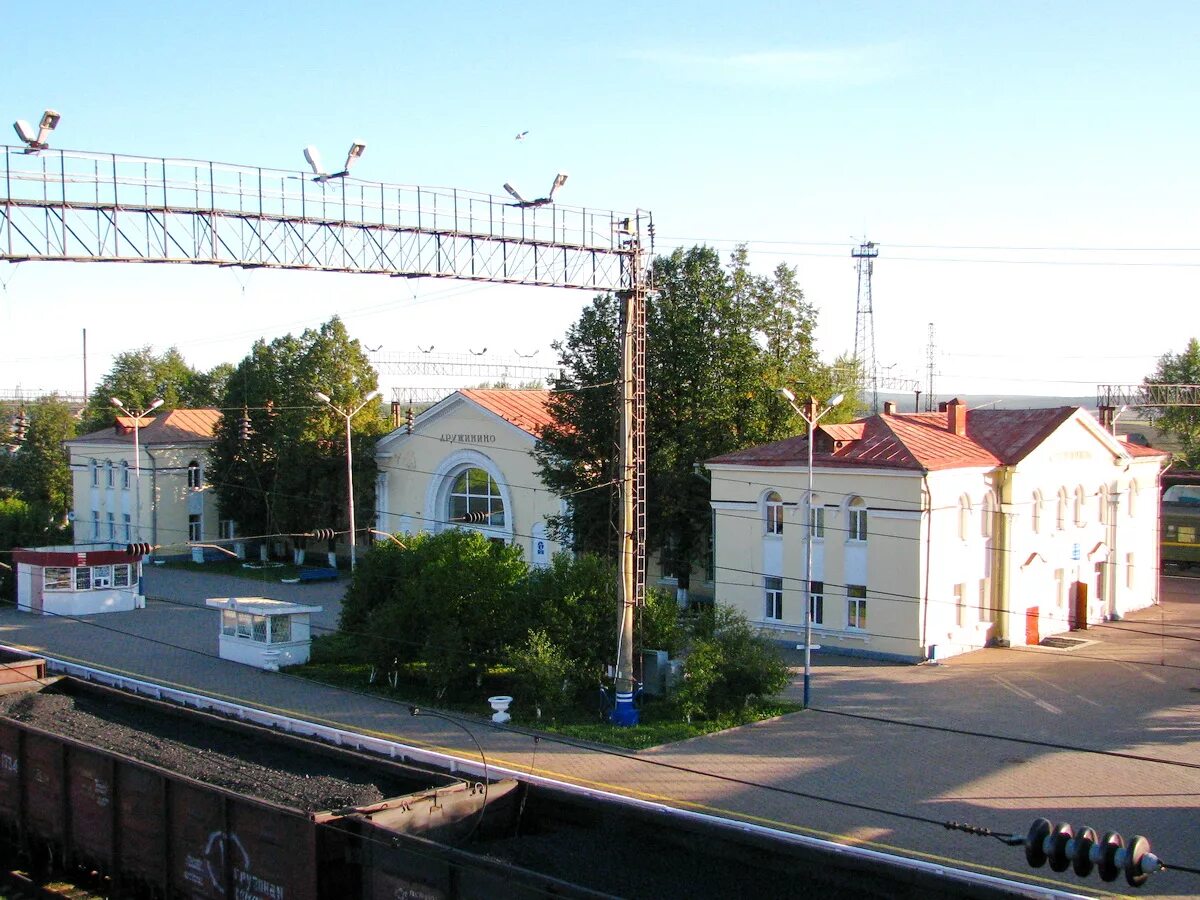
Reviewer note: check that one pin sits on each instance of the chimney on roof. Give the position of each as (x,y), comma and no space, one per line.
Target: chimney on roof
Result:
(956,417)
(889,408)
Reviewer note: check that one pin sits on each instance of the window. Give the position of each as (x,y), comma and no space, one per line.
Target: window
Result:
(1036,510)
(856,526)
(281,629)
(228,622)
(1100,585)
(987,516)
(101,576)
(1060,513)
(1129,571)
(243,625)
(195,527)
(816,602)
(226,529)
(1060,588)
(964,517)
(120,576)
(1102,500)
(960,605)
(258,628)
(774,597)
(985,600)
(856,606)
(475,497)
(83,579)
(1133,498)
(56,578)
(195,476)
(1080,507)
(125,474)
(126,523)
(112,526)
(108,473)
(94,467)
(774,513)
(816,522)
(95,524)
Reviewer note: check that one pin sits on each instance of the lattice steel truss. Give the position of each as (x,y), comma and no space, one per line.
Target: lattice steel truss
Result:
(79,206)
(1116,395)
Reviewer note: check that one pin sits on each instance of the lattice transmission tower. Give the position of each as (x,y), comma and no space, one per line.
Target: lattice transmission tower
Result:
(864,324)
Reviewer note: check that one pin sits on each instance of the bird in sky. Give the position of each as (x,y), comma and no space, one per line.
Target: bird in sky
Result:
(521,136)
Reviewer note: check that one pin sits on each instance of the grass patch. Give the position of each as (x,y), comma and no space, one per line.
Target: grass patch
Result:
(661,722)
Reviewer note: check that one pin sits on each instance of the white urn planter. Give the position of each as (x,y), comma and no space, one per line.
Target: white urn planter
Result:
(500,705)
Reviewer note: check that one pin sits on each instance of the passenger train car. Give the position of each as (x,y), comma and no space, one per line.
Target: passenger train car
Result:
(1180,519)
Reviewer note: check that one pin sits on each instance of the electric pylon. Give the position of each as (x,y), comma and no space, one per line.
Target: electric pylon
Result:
(864,324)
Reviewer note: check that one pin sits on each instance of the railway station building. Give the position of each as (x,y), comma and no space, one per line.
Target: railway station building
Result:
(932,534)
(149,487)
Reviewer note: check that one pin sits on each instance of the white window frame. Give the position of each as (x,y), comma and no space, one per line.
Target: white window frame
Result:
(964,517)
(1080,507)
(122,576)
(1060,512)
(112,525)
(94,467)
(195,475)
(986,613)
(773,513)
(856,520)
(816,522)
(960,604)
(95,524)
(773,598)
(1037,512)
(987,516)
(226,529)
(62,579)
(856,607)
(124,474)
(816,602)
(109,479)
(195,527)
(127,522)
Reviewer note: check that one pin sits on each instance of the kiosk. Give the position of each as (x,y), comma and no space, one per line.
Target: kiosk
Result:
(262,632)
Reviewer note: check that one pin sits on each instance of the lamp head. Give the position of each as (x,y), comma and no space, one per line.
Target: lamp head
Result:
(836,399)
(314,160)
(324,398)
(155,405)
(25,132)
(371,396)
(115,402)
(786,394)
(356,150)
(50,120)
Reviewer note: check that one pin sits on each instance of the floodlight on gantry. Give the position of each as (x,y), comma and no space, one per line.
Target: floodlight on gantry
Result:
(36,141)
(559,180)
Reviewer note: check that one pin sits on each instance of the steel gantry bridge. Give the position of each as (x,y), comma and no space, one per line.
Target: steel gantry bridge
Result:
(77,206)
(92,207)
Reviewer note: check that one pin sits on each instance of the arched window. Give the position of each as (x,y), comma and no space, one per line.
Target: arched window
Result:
(1060,514)
(195,475)
(856,520)
(964,517)
(1036,511)
(108,473)
(125,474)
(774,513)
(1102,499)
(95,470)
(1080,506)
(1133,499)
(475,499)
(987,515)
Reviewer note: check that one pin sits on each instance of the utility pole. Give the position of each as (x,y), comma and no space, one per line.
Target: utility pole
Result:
(864,322)
(631,566)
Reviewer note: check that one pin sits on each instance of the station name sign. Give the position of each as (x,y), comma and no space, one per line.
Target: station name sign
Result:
(468,438)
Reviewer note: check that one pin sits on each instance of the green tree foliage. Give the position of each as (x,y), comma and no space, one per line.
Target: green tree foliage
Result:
(139,377)
(1182,422)
(720,340)
(20,526)
(290,474)
(39,471)
(544,674)
(451,602)
(728,666)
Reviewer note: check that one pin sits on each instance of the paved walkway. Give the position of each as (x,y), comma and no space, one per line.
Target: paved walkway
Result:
(987,738)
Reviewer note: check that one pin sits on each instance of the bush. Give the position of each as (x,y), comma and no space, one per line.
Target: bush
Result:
(543,674)
(728,665)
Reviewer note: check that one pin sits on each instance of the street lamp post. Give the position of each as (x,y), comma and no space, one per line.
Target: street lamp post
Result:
(324,398)
(137,456)
(811,416)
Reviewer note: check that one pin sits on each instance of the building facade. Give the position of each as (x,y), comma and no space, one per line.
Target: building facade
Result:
(148,486)
(931,534)
(467,463)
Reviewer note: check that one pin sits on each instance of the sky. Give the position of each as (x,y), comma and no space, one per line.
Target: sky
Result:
(1027,169)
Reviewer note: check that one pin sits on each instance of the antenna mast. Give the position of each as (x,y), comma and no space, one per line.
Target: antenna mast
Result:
(864,327)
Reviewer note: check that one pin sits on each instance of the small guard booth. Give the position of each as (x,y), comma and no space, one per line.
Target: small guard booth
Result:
(262,632)
(78,580)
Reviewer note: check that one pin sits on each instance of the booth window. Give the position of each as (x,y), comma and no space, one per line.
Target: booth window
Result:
(120,576)
(254,628)
(83,579)
(475,499)
(56,578)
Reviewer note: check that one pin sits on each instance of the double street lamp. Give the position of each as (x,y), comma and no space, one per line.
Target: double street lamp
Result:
(324,398)
(137,455)
(811,415)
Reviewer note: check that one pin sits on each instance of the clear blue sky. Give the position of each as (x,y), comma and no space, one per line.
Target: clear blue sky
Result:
(1062,133)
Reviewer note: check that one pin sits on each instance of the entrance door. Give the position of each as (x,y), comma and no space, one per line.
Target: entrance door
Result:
(1079,606)
(1032,638)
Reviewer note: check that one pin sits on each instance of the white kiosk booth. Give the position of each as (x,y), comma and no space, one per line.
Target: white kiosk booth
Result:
(261,632)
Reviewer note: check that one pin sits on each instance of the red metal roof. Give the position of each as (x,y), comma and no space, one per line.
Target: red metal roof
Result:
(526,409)
(921,441)
(177,426)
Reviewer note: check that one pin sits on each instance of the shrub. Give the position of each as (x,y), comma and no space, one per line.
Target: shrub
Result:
(728,665)
(543,674)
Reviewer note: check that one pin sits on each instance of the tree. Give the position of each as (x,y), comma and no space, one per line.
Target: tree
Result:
(719,343)
(288,474)
(40,469)
(1182,422)
(139,377)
